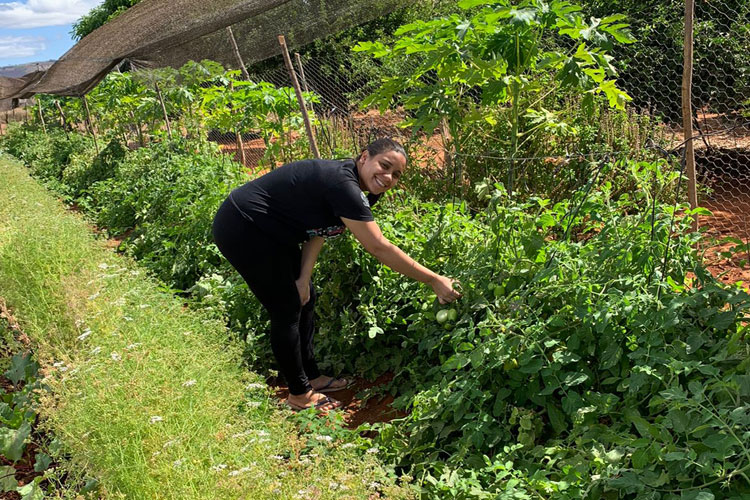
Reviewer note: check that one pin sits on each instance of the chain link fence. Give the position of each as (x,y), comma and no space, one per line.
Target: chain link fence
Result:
(650,72)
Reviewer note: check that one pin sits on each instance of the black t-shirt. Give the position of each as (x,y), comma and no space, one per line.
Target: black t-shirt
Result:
(304,199)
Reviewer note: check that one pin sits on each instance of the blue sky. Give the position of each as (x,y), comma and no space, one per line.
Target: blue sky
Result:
(38,30)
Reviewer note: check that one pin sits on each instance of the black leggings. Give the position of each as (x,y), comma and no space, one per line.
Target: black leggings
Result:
(270,270)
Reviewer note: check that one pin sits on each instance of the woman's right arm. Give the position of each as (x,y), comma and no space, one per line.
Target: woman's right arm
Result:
(372,239)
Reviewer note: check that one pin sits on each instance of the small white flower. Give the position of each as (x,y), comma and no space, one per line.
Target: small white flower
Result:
(278,457)
(187,333)
(143,306)
(85,334)
(79,323)
(96,350)
(219,467)
(327,439)
(263,433)
(133,346)
(241,434)
(255,385)
(178,462)
(372,450)
(189,383)
(374,485)
(103,266)
(154,419)
(334,485)
(58,364)
(64,368)
(156,454)
(127,318)
(253,404)
(170,443)
(349,445)
(92,297)
(115,356)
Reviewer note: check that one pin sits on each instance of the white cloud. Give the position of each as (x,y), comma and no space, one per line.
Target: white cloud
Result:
(21,46)
(39,13)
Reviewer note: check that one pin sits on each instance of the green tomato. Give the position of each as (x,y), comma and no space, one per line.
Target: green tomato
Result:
(442,316)
(452,314)
(448,326)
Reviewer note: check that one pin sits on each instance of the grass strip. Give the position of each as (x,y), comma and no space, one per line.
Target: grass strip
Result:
(147,396)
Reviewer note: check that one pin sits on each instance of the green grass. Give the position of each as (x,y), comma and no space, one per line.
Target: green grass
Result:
(148,396)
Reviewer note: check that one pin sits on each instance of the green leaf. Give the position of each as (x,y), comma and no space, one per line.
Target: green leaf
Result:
(574,378)
(640,458)
(556,418)
(7,478)
(42,463)
(31,491)
(21,368)
(500,404)
(12,441)
(374,331)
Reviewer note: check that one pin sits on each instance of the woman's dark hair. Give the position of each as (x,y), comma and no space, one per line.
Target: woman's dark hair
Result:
(383,146)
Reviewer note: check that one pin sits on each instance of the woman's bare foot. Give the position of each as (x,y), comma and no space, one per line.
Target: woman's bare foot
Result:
(310,399)
(328,383)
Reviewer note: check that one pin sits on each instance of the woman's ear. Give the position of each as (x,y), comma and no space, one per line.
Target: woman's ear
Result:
(363,156)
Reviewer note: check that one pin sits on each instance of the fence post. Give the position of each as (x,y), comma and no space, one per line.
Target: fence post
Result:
(237,54)
(90,124)
(163,108)
(687,113)
(300,97)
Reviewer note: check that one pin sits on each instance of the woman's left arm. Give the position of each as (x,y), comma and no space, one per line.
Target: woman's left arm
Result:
(310,251)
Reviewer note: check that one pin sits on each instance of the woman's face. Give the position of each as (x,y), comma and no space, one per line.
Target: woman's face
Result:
(379,173)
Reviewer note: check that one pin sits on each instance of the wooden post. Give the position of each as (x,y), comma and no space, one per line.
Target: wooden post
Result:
(137,126)
(63,120)
(90,124)
(163,108)
(300,98)
(301,70)
(41,115)
(243,68)
(238,136)
(687,114)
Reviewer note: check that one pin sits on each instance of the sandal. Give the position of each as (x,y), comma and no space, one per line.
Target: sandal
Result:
(327,400)
(327,388)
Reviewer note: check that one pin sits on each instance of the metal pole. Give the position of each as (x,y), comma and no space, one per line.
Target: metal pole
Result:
(687,114)
(300,98)
(237,54)
(89,124)
(163,108)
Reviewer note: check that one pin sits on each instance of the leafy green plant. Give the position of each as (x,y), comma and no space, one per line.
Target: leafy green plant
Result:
(499,56)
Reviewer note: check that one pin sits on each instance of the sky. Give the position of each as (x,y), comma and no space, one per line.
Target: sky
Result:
(38,30)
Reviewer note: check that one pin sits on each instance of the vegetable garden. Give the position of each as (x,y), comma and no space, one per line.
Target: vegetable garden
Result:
(593,355)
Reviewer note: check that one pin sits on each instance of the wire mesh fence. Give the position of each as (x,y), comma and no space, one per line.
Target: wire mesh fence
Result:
(203,102)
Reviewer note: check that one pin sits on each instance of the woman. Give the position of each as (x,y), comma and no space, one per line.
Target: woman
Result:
(259,229)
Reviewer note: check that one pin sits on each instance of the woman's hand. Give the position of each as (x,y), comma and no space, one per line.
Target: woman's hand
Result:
(303,288)
(443,287)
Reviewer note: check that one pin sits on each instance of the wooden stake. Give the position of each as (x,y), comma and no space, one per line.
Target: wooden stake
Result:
(300,98)
(63,120)
(137,126)
(687,114)
(163,108)
(301,70)
(89,124)
(243,68)
(41,115)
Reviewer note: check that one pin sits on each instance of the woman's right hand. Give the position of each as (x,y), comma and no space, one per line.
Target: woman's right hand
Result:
(443,288)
